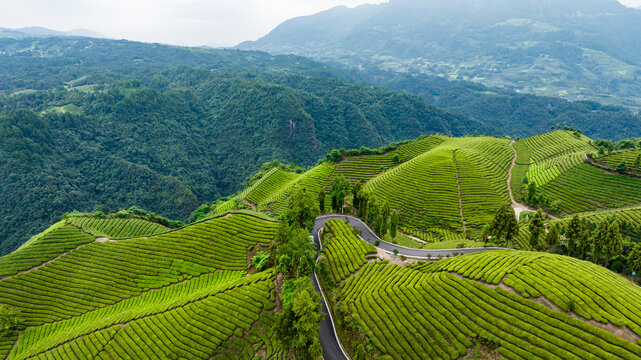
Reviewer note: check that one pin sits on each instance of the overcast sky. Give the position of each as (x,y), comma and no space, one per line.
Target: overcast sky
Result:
(184,22)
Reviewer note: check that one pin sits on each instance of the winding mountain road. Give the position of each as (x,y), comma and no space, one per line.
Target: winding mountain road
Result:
(332,349)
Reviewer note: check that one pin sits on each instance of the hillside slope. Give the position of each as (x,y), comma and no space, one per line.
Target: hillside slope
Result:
(190,141)
(179,294)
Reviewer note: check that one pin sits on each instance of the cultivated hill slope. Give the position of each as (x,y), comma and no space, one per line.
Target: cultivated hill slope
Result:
(441,186)
(166,294)
(513,304)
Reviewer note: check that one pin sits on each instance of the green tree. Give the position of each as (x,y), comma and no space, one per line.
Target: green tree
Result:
(304,268)
(9,318)
(634,259)
(393,224)
(302,210)
(339,189)
(291,253)
(261,260)
(552,237)
(573,234)
(360,353)
(363,203)
(396,159)
(355,190)
(622,167)
(321,201)
(298,325)
(600,240)
(384,214)
(637,162)
(504,226)
(585,244)
(536,227)
(614,244)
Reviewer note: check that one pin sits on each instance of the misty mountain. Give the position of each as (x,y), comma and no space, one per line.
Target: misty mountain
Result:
(569,48)
(38,31)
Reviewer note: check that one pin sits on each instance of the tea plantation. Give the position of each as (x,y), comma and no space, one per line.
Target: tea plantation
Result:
(164,294)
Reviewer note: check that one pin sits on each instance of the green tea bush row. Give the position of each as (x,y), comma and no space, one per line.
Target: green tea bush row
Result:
(410,314)
(117,228)
(48,247)
(345,252)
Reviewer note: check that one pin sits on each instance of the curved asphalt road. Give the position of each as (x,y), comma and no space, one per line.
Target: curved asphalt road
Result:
(332,349)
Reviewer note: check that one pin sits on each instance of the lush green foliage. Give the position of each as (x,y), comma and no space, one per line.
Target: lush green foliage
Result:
(167,139)
(298,325)
(559,279)
(410,314)
(345,252)
(430,183)
(179,294)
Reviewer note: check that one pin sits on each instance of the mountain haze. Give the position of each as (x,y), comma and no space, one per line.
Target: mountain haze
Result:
(572,49)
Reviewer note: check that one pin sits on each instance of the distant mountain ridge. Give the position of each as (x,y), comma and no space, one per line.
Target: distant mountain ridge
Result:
(38,31)
(571,49)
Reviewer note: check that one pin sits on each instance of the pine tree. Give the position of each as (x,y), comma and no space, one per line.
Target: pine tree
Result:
(536,228)
(573,234)
(504,225)
(634,259)
(584,243)
(355,190)
(393,224)
(552,238)
(600,240)
(614,245)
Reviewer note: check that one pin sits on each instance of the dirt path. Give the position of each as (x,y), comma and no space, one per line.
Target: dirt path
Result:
(44,263)
(517,206)
(458,182)
(253,206)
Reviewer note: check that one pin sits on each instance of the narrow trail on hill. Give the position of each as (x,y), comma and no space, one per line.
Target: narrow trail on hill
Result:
(517,206)
(460,199)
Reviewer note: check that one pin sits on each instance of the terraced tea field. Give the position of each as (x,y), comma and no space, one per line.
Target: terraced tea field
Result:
(629,157)
(117,228)
(179,294)
(440,310)
(345,252)
(426,192)
(586,188)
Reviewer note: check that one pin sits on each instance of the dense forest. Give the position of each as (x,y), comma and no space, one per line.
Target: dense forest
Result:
(89,123)
(181,137)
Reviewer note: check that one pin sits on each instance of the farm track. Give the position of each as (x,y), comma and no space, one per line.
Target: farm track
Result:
(517,206)
(458,184)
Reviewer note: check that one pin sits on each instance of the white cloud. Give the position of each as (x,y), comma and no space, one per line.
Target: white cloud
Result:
(631,3)
(186,22)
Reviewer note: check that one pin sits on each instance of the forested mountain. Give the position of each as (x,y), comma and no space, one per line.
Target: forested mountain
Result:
(168,140)
(88,122)
(574,49)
